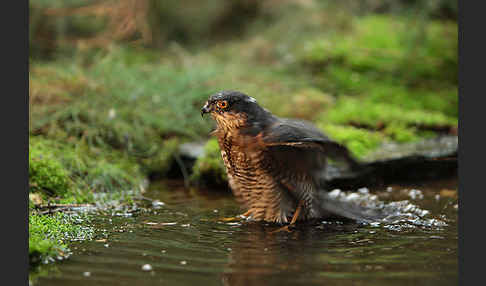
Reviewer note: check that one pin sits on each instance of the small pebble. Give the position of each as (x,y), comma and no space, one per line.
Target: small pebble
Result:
(183,262)
(86,274)
(147,267)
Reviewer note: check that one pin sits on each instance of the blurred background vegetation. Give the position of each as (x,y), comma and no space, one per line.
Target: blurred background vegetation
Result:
(116,86)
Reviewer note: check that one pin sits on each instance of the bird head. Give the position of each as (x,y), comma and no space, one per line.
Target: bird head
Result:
(233,109)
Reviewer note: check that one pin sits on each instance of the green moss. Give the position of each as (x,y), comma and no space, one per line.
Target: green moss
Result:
(162,159)
(401,133)
(375,114)
(210,167)
(49,235)
(115,111)
(46,173)
(395,46)
(85,169)
(359,141)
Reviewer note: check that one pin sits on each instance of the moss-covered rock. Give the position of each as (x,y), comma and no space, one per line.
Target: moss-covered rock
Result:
(162,159)
(359,141)
(49,235)
(46,172)
(73,172)
(209,168)
(375,114)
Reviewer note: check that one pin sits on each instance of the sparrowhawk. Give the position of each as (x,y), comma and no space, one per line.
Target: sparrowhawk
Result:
(275,166)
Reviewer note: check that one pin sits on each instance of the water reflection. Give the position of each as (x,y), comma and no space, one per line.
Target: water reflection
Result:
(341,253)
(258,256)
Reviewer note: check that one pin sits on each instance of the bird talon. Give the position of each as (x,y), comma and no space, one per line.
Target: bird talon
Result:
(240,217)
(231,219)
(284,228)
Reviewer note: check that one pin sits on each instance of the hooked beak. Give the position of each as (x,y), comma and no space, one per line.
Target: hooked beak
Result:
(205,109)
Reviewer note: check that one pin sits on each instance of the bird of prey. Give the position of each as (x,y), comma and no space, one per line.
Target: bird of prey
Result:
(276,166)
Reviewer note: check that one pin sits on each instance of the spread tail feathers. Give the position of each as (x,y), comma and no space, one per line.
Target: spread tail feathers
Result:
(350,209)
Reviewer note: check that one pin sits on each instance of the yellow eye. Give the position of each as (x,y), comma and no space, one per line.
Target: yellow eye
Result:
(222,104)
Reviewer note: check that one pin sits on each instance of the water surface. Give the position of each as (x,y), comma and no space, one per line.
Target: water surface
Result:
(184,242)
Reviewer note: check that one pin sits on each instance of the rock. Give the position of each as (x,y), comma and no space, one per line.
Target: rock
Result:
(439,147)
(427,159)
(192,150)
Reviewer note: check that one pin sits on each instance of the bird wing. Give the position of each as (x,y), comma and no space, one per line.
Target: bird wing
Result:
(300,134)
(299,151)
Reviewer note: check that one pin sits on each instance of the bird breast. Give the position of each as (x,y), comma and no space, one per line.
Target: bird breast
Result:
(251,183)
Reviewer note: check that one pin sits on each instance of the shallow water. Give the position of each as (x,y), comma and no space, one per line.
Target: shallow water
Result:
(184,242)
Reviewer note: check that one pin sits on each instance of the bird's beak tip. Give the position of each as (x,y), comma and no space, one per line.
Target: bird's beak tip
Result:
(205,109)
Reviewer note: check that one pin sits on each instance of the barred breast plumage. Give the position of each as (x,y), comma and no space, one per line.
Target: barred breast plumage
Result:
(276,166)
(253,184)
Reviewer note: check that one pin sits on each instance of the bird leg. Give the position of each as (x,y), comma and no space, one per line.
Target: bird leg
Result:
(294,219)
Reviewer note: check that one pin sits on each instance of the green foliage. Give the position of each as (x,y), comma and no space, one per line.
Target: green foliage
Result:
(123,114)
(210,167)
(359,141)
(49,235)
(146,122)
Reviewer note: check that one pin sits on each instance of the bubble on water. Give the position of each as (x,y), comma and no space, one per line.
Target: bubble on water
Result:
(416,194)
(352,196)
(157,204)
(335,193)
(397,215)
(147,267)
